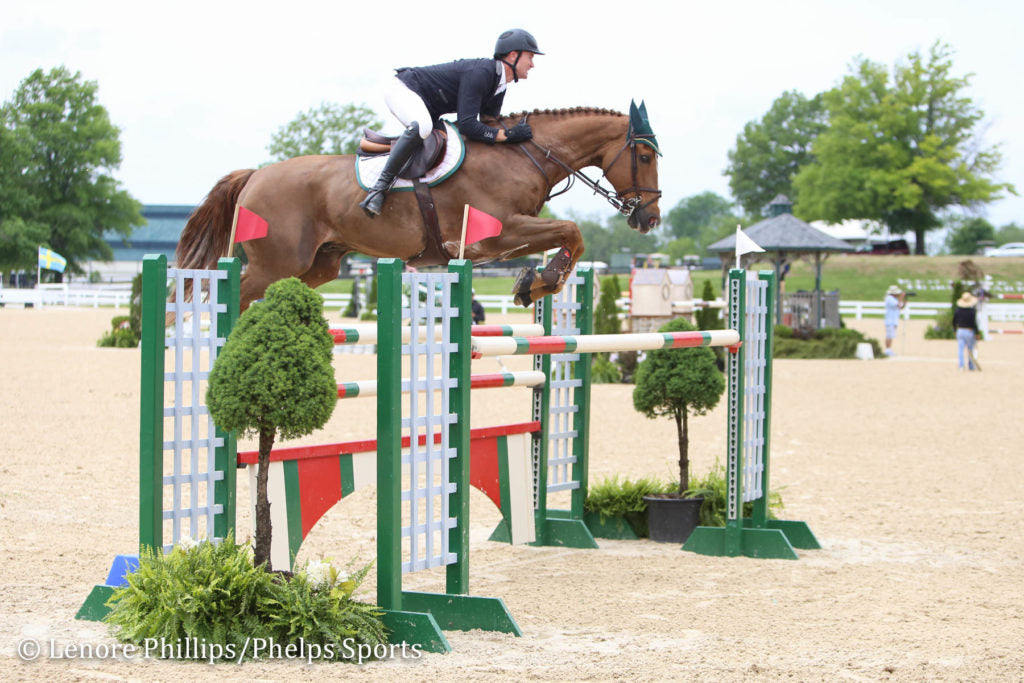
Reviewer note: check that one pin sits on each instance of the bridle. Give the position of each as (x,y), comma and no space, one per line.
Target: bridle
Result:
(625,205)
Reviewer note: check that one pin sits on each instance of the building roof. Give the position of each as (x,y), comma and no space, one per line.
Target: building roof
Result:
(784,232)
(164,223)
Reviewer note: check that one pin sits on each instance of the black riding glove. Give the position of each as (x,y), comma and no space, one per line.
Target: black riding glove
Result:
(519,132)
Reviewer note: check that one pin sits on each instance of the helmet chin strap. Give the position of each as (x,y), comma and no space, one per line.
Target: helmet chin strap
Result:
(515,75)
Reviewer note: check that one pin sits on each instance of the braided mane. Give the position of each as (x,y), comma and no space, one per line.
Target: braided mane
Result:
(570,111)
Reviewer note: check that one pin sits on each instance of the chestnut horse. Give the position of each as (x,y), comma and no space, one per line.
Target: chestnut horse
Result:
(311,204)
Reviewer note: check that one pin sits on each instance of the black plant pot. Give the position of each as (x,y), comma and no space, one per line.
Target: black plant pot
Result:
(672,520)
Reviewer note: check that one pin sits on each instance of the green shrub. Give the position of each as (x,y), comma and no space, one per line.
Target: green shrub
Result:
(126,330)
(604,371)
(829,342)
(614,498)
(943,327)
(214,594)
(783,332)
(606,313)
(712,488)
(120,335)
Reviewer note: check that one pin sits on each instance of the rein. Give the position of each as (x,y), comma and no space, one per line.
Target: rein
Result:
(624,206)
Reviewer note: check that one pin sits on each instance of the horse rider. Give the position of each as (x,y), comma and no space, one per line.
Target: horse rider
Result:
(418,96)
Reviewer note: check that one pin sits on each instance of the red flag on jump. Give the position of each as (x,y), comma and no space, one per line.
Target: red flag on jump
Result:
(249,225)
(480,226)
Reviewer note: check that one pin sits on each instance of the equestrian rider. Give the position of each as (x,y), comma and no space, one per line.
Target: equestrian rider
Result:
(418,96)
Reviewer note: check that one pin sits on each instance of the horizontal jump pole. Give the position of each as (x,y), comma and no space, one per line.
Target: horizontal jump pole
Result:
(524,378)
(699,303)
(600,343)
(1009,296)
(1006,331)
(333,450)
(367,334)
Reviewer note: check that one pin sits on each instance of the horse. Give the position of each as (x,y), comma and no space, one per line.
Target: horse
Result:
(311,205)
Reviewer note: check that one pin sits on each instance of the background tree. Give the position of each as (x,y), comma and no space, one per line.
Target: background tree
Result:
(964,238)
(675,383)
(327,129)
(1011,232)
(58,148)
(274,376)
(606,313)
(708,318)
(693,213)
(770,152)
(899,150)
(614,237)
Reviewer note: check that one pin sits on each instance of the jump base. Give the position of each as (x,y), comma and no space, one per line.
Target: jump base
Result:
(463,612)
(557,530)
(616,527)
(415,628)
(95,606)
(776,541)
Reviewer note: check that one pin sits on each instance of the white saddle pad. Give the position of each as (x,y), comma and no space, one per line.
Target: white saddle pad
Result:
(368,168)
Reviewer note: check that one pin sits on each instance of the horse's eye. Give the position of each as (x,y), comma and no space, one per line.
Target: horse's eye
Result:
(646,158)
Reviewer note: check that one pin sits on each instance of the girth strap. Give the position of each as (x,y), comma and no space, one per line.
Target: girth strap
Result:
(433,253)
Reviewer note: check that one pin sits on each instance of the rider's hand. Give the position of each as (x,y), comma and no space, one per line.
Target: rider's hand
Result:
(519,132)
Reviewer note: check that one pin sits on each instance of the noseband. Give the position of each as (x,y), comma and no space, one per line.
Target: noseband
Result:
(625,205)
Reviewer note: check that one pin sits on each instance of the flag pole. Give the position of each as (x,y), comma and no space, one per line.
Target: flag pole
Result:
(39,269)
(234,226)
(465,221)
(737,244)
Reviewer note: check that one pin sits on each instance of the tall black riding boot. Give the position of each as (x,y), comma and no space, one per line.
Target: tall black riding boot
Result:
(401,152)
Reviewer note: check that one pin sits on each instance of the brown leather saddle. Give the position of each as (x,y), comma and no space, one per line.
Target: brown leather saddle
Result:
(427,157)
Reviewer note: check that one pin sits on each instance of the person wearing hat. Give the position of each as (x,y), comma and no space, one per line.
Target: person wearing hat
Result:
(468,88)
(965,322)
(895,300)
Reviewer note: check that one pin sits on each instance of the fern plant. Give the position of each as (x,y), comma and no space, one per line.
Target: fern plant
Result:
(712,487)
(611,497)
(214,594)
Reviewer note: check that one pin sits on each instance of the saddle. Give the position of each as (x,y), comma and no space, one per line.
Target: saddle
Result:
(427,157)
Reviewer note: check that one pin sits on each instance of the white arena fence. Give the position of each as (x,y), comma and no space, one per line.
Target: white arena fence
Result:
(119,295)
(67,295)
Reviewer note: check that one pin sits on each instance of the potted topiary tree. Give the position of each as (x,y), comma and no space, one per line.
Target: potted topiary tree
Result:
(274,376)
(677,383)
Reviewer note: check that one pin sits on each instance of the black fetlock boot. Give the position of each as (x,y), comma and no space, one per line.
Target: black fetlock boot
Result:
(401,152)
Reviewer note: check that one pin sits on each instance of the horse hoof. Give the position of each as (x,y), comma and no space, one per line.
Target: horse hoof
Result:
(521,287)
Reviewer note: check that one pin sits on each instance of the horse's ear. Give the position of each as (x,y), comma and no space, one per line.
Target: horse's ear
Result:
(635,121)
(643,110)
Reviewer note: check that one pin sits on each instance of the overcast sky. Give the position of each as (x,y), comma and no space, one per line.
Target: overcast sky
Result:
(198,88)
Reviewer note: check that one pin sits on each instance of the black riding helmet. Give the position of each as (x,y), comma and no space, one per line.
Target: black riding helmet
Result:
(515,40)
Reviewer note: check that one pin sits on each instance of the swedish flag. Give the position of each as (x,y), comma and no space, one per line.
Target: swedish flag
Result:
(51,260)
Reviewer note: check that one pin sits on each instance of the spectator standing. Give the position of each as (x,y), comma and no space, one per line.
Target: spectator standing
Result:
(965,322)
(895,300)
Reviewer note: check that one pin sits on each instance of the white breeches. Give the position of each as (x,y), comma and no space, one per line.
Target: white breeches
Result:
(407,107)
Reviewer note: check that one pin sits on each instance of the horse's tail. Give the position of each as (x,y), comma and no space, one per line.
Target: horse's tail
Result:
(205,237)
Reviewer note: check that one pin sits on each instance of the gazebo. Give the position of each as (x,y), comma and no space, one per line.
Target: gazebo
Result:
(784,237)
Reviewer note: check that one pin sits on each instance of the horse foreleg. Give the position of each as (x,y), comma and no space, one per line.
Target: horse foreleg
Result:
(530,235)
